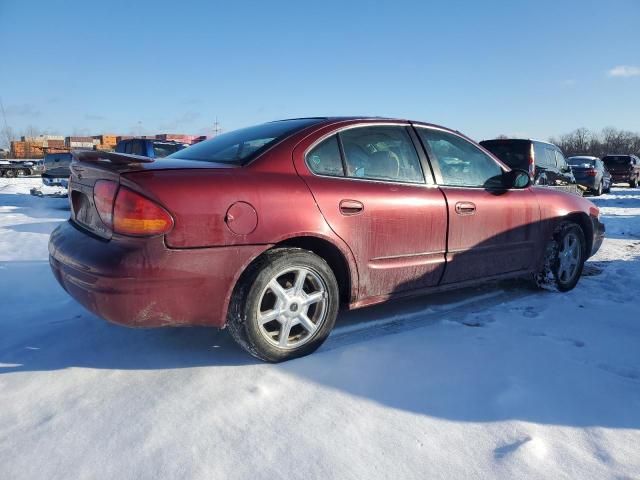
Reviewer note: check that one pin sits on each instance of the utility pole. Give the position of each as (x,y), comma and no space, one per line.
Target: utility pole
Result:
(7,132)
(216,128)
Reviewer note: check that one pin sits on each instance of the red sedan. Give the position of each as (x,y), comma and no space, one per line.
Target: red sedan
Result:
(268,230)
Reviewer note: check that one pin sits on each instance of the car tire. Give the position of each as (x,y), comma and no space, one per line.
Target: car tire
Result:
(598,191)
(565,255)
(608,189)
(633,183)
(285,291)
(10,173)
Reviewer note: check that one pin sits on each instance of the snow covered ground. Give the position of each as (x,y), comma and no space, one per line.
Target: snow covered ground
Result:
(493,382)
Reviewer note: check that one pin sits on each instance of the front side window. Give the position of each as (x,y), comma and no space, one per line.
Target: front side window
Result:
(461,163)
(381,153)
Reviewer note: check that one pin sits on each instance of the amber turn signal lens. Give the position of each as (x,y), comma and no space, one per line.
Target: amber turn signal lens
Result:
(134,214)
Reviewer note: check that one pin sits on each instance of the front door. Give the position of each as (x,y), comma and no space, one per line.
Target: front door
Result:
(369,184)
(491,230)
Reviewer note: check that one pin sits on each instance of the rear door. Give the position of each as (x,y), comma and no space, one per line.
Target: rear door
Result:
(370,185)
(492,231)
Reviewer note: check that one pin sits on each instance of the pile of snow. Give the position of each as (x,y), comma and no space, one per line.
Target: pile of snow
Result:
(495,382)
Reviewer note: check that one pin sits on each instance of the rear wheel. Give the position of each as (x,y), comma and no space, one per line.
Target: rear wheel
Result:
(564,259)
(285,305)
(10,173)
(598,191)
(633,183)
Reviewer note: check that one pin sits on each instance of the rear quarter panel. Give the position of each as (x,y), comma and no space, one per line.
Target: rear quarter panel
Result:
(199,199)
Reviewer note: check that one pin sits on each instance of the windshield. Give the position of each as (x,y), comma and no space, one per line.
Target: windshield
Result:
(239,146)
(164,149)
(581,162)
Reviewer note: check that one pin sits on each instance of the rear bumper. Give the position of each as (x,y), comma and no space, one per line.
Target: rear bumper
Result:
(618,177)
(598,235)
(588,182)
(142,283)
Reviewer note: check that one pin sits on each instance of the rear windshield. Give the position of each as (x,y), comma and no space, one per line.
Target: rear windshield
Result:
(515,153)
(581,162)
(165,149)
(240,146)
(616,160)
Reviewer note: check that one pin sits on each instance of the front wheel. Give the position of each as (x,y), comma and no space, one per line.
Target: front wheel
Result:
(565,255)
(285,305)
(10,173)
(633,183)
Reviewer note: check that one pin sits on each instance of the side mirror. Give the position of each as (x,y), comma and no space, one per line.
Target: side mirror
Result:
(516,178)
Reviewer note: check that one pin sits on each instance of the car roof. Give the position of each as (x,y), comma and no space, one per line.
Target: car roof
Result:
(323,121)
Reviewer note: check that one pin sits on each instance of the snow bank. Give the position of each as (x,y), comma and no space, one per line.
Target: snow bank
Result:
(494,382)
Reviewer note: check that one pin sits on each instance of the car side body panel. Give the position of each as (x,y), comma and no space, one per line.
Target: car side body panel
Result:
(225,217)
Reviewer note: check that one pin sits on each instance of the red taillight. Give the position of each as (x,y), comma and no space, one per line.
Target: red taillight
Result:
(532,161)
(136,215)
(591,173)
(104,193)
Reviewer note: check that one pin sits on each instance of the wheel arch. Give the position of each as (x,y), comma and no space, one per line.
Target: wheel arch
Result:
(583,220)
(334,256)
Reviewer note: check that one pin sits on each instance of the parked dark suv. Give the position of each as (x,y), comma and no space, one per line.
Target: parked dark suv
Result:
(544,161)
(624,168)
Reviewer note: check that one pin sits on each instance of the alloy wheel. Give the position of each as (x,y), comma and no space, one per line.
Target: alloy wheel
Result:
(569,257)
(292,307)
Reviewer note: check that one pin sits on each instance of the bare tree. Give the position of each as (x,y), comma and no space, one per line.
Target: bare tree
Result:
(7,135)
(609,141)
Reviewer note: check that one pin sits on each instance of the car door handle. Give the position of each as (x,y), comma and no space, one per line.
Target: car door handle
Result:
(465,208)
(351,207)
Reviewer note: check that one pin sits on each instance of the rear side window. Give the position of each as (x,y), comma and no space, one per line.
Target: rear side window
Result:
(137,147)
(513,153)
(542,158)
(560,161)
(161,150)
(616,160)
(381,153)
(325,159)
(461,163)
(240,146)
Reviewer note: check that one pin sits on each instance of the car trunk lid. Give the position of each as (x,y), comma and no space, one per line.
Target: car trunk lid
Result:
(90,166)
(86,169)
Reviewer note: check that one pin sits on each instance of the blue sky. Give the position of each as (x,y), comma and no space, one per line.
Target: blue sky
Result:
(485,68)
